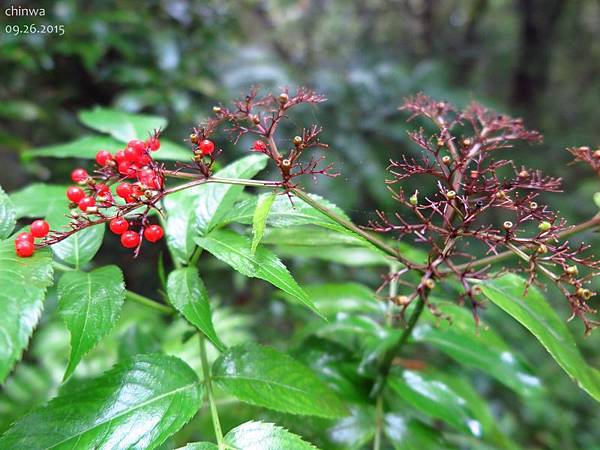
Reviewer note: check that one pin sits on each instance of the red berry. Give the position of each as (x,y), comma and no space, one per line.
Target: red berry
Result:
(153,233)
(103,157)
(86,202)
(130,239)
(153,143)
(126,168)
(132,154)
(39,228)
(206,147)
(101,188)
(24,237)
(79,175)
(149,178)
(145,159)
(137,145)
(124,190)
(120,156)
(24,248)
(259,146)
(75,194)
(118,225)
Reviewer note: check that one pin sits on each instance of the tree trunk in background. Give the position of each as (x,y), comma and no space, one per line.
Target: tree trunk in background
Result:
(539,19)
(469,47)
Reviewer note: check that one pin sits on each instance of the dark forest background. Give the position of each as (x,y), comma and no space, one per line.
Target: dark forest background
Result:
(538,59)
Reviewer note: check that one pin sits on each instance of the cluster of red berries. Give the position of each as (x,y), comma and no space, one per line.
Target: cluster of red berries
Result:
(91,196)
(25,242)
(131,239)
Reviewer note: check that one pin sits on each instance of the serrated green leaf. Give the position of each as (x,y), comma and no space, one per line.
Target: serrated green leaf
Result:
(262,376)
(216,199)
(479,347)
(181,206)
(79,248)
(8,217)
(233,249)
(40,200)
(23,284)
(179,223)
(135,405)
(535,314)
(89,304)
(431,396)
(259,219)
(121,125)
(262,436)
(86,148)
(188,295)
(288,212)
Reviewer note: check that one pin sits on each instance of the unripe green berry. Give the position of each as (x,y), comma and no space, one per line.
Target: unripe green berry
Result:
(544,226)
(414,199)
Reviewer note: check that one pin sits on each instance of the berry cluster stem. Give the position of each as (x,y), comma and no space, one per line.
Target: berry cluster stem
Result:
(381,245)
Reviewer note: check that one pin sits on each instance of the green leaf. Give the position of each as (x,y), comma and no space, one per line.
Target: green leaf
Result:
(261,436)
(478,347)
(8,217)
(233,249)
(216,199)
(411,434)
(89,304)
(79,248)
(259,220)
(188,295)
(350,298)
(347,256)
(40,200)
(210,199)
(597,199)
(86,148)
(433,397)
(121,125)
(356,431)
(262,376)
(199,446)
(135,405)
(23,284)
(288,212)
(535,314)
(179,223)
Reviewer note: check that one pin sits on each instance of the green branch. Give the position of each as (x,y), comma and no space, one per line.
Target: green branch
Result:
(214,413)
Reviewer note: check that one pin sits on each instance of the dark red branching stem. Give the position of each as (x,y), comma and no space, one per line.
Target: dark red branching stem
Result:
(477,198)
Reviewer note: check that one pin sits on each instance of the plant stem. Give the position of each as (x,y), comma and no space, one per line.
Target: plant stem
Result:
(379,418)
(588,224)
(148,302)
(209,392)
(379,412)
(195,256)
(388,357)
(381,245)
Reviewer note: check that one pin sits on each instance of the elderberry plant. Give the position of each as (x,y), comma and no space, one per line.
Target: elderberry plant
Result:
(357,361)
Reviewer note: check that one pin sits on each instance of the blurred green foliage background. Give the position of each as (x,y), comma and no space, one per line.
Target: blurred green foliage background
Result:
(539,59)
